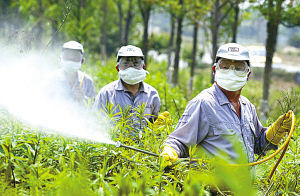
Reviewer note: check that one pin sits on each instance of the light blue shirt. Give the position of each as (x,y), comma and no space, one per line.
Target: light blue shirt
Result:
(210,120)
(64,89)
(115,93)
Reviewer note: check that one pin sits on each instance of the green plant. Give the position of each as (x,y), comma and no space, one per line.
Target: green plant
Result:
(35,162)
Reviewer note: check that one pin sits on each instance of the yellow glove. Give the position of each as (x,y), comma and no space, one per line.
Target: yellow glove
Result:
(169,155)
(279,128)
(163,118)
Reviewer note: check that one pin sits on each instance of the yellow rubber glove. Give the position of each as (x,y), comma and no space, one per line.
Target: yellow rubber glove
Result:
(169,155)
(279,128)
(163,118)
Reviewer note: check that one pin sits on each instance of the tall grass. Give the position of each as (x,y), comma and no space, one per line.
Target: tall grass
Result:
(35,163)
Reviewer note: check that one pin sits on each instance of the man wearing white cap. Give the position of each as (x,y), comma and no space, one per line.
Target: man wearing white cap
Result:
(130,92)
(220,115)
(70,81)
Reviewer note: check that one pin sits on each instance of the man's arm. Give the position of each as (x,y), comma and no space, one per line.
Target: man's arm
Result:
(100,100)
(90,90)
(192,128)
(262,145)
(156,107)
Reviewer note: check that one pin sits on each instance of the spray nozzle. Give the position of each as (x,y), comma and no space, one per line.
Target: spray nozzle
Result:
(118,144)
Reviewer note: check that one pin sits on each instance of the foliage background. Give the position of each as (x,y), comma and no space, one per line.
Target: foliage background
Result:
(34,163)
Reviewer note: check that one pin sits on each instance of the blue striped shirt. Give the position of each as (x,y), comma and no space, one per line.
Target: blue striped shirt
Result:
(210,121)
(115,93)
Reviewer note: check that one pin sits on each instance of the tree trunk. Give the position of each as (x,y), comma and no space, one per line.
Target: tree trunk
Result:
(4,18)
(195,42)
(39,26)
(178,47)
(145,34)
(54,27)
(128,22)
(171,48)
(83,4)
(103,33)
(236,21)
(119,4)
(272,32)
(218,15)
(215,33)
(171,41)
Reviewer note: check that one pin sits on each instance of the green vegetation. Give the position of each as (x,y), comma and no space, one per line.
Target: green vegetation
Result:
(33,162)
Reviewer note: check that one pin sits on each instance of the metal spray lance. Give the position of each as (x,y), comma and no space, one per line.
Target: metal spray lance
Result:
(119,144)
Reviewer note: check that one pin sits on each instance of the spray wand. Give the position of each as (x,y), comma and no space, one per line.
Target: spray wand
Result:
(119,144)
(285,144)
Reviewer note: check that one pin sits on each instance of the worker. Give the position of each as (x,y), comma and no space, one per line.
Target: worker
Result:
(129,91)
(69,80)
(220,113)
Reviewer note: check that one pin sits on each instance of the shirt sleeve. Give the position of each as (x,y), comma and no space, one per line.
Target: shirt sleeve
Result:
(262,145)
(192,128)
(90,89)
(100,100)
(156,105)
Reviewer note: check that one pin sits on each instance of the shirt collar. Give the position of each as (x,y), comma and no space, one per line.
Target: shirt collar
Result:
(120,87)
(222,99)
(242,100)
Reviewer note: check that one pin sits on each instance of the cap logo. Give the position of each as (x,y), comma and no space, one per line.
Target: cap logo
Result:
(130,49)
(233,49)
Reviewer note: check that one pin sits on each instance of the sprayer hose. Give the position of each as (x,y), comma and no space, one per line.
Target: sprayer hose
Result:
(277,151)
(267,158)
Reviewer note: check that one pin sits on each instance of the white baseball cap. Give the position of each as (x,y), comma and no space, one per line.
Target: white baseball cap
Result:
(233,51)
(73,45)
(129,51)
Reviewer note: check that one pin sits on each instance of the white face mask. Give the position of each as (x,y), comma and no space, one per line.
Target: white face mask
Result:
(231,80)
(71,66)
(132,75)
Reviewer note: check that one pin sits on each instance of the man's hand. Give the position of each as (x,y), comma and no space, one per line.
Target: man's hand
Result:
(169,155)
(279,128)
(163,118)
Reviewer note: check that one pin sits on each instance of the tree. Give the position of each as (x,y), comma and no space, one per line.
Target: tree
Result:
(171,6)
(120,10)
(103,32)
(146,7)
(171,40)
(8,17)
(34,12)
(124,32)
(219,12)
(196,10)
(236,8)
(276,12)
(180,18)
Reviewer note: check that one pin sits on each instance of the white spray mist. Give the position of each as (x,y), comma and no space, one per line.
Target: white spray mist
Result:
(24,93)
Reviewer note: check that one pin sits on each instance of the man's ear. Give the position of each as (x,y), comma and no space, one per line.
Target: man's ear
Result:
(117,67)
(248,75)
(214,68)
(144,66)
